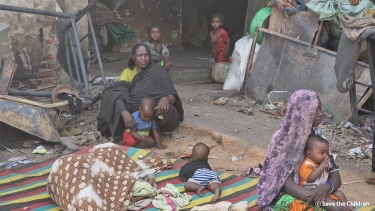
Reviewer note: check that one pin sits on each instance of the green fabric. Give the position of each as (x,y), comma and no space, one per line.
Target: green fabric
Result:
(179,199)
(143,188)
(120,32)
(285,201)
(329,10)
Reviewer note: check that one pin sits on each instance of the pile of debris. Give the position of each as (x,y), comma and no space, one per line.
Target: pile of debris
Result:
(350,141)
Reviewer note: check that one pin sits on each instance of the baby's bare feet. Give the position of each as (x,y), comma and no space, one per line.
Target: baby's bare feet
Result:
(200,190)
(216,195)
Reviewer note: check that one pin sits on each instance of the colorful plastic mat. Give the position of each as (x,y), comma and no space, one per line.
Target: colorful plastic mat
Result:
(25,186)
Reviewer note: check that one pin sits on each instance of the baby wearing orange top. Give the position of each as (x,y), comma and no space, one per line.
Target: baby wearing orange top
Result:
(312,171)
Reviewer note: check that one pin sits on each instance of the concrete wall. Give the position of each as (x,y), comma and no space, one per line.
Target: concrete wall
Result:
(36,39)
(138,15)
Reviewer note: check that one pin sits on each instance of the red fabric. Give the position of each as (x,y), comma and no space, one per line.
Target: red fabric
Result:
(219,57)
(128,139)
(219,40)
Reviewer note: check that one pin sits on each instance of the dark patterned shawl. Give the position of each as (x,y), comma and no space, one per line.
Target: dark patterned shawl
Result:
(154,81)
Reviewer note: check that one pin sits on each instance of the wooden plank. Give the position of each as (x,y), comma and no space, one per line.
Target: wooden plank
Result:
(360,104)
(7,73)
(33,103)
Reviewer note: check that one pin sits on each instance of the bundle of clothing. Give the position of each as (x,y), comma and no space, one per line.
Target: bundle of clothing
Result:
(75,104)
(289,7)
(330,10)
(355,31)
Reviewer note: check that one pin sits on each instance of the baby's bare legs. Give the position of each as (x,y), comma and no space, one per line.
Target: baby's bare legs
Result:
(194,187)
(146,144)
(215,188)
(339,194)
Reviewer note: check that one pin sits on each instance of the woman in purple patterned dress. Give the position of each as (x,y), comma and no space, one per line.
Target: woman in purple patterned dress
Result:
(278,187)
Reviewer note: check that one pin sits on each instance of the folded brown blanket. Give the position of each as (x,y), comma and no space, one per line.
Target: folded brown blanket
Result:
(102,179)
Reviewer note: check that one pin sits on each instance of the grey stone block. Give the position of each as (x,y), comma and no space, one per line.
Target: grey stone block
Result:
(68,143)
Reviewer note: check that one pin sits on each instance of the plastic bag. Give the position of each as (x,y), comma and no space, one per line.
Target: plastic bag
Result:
(240,56)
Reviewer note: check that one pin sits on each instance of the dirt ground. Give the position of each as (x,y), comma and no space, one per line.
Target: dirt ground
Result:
(237,140)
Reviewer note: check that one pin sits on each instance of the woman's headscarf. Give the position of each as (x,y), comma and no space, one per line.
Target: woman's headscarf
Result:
(286,149)
(131,63)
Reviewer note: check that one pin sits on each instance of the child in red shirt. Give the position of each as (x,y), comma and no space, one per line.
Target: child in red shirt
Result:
(219,39)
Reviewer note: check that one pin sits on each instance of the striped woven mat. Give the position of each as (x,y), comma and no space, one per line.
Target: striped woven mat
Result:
(25,186)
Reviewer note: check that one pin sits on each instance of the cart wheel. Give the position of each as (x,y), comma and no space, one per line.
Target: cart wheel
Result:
(261,19)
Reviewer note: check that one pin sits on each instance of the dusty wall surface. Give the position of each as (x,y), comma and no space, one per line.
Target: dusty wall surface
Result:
(36,40)
(138,15)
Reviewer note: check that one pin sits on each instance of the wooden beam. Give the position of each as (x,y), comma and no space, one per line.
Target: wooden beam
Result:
(360,104)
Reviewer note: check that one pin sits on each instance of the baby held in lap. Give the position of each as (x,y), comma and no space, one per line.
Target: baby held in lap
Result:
(312,171)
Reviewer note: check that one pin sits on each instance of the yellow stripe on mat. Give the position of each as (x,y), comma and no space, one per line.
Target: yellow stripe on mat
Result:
(370,208)
(55,209)
(27,199)
(158,179)
(142,152)
(43,183)
(224,193)
(252,203)
(21,176)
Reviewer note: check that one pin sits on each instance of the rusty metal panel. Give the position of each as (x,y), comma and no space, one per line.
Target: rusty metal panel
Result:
(29,119)
(301,25)
(287,64)
(7,73)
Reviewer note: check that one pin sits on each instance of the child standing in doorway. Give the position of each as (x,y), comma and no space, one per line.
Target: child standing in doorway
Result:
(219,39)
(159,52)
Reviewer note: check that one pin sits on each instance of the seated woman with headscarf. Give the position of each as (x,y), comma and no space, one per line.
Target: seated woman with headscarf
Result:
(278,187)
(141,79)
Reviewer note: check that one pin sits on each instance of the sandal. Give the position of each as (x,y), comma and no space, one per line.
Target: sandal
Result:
(370,181)
(253,172)
(258,169)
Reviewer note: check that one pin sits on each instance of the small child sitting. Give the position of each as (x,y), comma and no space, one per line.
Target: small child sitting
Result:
(159,52)
(198,173)
(219,39)
(144,117)
(312,171)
